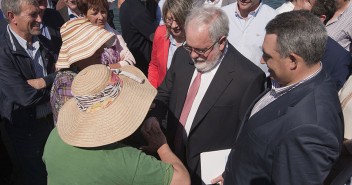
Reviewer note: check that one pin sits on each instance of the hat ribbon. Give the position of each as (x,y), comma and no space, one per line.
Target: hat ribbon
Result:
(129,75)
(103,98)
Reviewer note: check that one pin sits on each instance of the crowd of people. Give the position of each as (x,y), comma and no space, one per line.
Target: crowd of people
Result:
(267,90)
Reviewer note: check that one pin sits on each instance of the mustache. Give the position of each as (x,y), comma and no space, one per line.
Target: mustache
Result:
(200,60)
(36,24)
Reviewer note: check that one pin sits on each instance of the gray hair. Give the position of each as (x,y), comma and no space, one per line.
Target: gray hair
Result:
(214,17)
(15,5)
(299,32)
(179,9)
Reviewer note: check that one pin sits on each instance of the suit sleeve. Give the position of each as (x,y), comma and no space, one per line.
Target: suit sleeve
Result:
(15,87)
(145,24)
(153,72)
(305,156)
(344,65)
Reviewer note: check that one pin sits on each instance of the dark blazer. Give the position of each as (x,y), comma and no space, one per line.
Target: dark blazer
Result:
(224,2)
(235,85)
(3,25)
(64,13)
(17,98)
(293,140)
(53,20)
(337,62)
(138,24)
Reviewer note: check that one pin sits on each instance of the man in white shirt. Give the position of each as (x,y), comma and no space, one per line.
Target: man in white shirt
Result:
(248,19)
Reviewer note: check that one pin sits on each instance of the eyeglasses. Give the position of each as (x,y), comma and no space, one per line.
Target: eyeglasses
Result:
(170,20)
(200,51)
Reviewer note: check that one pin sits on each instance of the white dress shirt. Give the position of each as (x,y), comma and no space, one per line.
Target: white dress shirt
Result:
(247,35)
(206,79)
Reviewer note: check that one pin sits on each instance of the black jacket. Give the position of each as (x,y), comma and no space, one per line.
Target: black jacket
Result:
(17,98)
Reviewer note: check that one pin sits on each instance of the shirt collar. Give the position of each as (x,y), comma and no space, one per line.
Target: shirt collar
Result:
(252,13)
(24,43)
(172,40)
(276,89)
(72,14)
(211,3)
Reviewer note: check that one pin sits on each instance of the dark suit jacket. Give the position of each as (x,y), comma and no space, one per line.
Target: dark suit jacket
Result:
(235,85)
(3,25)
(53,20)
(138,23)
(64,13)
(224,2)
(17,98)
(293,140)
(336,62)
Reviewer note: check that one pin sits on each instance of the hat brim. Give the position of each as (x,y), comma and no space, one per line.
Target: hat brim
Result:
(79,44)
(114,123)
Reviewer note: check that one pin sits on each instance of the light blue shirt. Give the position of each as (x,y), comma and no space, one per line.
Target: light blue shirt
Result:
(45,31)
(247,35)
(172,49)
(159,12)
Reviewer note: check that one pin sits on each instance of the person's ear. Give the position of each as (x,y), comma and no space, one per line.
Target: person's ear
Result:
(293,61)
(222,43)
(322,18)
(11,17)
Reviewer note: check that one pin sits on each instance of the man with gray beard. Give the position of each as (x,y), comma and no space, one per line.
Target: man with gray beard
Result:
(207,89)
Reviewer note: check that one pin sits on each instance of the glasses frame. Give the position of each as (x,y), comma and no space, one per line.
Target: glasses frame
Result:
(169,20)
(200,51)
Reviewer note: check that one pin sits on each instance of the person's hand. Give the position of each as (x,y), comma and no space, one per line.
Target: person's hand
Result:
(218,180)
(38,83)
(153,134)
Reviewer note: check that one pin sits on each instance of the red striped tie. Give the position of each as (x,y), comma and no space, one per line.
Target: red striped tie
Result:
(180,133)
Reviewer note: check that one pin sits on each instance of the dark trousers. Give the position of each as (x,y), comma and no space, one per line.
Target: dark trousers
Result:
(5,163)
(25,144)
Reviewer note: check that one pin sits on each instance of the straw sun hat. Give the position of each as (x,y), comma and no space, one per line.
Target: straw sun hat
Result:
(80,40)
(107,106)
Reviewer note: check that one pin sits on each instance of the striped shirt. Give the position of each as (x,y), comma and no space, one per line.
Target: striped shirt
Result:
(277,91)
(340,29)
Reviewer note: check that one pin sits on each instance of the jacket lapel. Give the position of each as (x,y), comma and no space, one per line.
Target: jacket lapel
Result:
(281,105)
(183,86)
(221,80)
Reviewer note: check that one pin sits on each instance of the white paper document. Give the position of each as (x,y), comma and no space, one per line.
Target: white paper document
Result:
(213,164)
